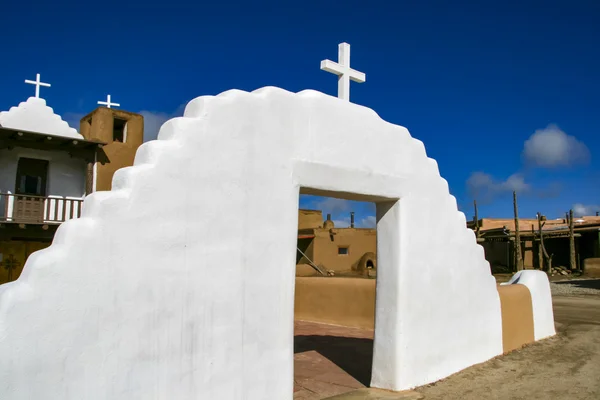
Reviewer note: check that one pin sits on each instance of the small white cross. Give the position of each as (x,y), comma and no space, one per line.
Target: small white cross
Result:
(37,84)
(343,71)
(107,103)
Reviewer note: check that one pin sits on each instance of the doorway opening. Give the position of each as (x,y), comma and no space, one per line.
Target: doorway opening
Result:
(30,190)
(334,311)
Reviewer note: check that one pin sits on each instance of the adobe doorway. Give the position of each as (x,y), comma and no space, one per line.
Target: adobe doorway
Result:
(337,288)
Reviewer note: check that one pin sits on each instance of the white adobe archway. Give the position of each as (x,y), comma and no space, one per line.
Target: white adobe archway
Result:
(179,282)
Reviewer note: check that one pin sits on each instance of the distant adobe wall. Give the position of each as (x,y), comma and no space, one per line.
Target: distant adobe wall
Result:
(336,301)
(358,242)
(591,267)
(309,219)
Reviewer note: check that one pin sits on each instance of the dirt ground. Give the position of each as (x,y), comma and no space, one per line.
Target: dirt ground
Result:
(566,366)
(563,367)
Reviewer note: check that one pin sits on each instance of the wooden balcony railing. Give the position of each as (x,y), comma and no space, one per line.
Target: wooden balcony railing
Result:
(36,209)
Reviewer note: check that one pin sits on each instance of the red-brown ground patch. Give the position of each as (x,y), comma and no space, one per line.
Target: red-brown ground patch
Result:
(330,360)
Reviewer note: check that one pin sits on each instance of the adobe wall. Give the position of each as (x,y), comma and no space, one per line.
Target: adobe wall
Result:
(517,316)
(351,302)
(358,241)
(119,155)
(309,219)
(98,125)
(591,267)
(528,254)
(336,301)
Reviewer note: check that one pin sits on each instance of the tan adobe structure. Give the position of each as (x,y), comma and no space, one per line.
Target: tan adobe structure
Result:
(341,250)
(123,133)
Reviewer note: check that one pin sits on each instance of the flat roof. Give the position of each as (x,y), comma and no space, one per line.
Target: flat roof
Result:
(10,138)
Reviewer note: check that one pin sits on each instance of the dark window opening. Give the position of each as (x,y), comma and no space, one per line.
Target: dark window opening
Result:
(31,176)
(343,250)
(119,130)
(370,264)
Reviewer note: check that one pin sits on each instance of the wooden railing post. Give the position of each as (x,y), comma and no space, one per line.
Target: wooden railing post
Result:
(37,209)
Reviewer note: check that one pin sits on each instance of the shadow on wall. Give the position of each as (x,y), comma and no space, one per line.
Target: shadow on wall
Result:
(353,355)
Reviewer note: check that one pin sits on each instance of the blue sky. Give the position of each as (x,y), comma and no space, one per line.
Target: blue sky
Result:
(505,95)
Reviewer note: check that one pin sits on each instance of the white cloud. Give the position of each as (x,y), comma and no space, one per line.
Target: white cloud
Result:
(580,210)
(331,205)
(551,147)
(341,223)
(153,121)
(340,210)
(368,222)
(484,187)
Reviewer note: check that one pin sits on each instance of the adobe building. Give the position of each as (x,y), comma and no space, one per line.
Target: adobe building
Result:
(497,237)
(345,251)
(122,132)
(47,168)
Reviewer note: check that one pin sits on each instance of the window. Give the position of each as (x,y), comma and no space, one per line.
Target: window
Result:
(119,127)
(343,251)
(30,184)
(32,175)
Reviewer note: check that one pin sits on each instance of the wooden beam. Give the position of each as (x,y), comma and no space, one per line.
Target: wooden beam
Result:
(519,256)
(572,260)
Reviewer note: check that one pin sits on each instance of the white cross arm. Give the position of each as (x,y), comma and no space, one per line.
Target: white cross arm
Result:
(108,104)
(335,68)
(37,83)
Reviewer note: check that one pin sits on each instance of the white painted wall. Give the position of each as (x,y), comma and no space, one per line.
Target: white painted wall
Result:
(66,175)
(34,115)
(179,283)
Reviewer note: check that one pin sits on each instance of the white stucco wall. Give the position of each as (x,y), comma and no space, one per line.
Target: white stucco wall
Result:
(179,283)
(34,115)
(66,175)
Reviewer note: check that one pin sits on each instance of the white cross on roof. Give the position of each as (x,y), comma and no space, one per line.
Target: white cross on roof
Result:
(37,84)
(343,70)
(107,103)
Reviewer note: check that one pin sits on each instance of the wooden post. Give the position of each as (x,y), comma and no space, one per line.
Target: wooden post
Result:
(573,261)
(519,256)
(542,246)
(540,243)
(477,234)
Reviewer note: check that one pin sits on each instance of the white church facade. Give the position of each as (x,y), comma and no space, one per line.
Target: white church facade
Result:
(203,306)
